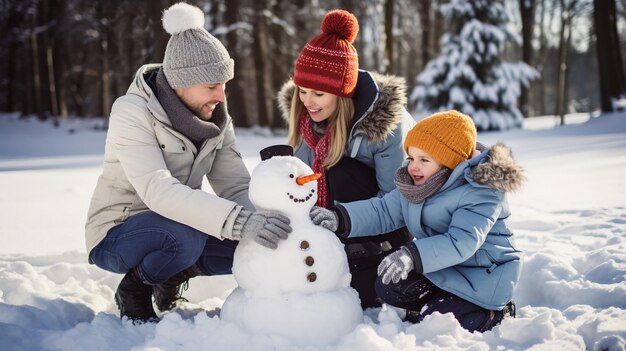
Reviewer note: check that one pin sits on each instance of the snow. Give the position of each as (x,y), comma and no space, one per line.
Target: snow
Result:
(570,220)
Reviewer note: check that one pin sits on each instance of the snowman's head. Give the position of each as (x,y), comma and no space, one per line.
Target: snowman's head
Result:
(284,184)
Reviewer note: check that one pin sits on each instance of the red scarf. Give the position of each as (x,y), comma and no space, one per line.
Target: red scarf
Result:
(320,148)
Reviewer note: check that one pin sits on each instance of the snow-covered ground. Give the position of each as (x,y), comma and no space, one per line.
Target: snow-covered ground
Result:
(570,220)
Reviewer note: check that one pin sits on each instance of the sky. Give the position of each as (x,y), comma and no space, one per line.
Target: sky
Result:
(569,219)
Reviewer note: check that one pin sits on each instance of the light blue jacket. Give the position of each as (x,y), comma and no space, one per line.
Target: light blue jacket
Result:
(462,243)
(378,128)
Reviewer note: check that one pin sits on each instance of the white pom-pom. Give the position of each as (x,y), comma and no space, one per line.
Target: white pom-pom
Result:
(181,17)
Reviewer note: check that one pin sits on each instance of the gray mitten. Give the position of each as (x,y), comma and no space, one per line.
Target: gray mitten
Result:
(264,227)
(324,218)
(396,266)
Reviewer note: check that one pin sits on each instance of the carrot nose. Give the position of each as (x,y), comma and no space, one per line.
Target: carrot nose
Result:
(308,178)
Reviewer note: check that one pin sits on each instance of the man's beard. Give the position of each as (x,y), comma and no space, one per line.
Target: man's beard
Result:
(205,116)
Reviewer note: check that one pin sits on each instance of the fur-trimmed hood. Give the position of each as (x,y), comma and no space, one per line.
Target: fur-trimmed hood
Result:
(498,170)
(387,109)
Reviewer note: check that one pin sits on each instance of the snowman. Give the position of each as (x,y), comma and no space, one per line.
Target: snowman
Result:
(301,290)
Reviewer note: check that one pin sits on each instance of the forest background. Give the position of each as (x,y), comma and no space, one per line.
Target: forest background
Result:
(61,58)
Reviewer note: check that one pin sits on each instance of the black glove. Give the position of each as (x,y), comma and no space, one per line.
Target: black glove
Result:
(324,217)
(264,227)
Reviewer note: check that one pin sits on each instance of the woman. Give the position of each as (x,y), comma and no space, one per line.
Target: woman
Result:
(348,124)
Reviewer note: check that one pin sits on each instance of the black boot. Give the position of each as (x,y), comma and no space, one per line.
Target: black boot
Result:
(167,294)
(509,310)
(134,299)
(495,317)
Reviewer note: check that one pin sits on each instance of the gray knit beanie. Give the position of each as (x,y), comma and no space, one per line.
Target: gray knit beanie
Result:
(193,56)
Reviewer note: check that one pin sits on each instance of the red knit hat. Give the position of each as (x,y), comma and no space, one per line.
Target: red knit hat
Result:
(329,62)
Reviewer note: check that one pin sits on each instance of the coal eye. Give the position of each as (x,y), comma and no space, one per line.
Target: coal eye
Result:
(291,176)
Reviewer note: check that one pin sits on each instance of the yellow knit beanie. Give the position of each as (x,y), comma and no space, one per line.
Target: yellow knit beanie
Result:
(449,137)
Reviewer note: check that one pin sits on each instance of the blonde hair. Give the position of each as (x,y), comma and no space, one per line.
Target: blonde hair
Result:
(338,122)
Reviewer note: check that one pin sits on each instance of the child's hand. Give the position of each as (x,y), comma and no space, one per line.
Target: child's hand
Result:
(325,218)
(396,266)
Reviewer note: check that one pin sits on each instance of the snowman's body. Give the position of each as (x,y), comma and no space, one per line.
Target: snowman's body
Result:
(302,289)
(309,261)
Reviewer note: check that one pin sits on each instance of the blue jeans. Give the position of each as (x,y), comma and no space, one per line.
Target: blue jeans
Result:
(420,298)
(161,248)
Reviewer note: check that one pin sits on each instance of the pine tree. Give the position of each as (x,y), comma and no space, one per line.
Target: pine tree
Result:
(469,74)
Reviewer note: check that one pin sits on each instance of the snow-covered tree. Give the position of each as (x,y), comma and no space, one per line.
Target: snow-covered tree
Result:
(469,75)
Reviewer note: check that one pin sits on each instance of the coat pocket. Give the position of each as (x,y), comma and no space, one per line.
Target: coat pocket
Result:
(168,142)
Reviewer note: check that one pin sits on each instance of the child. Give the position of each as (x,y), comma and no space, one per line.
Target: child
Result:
(463,258)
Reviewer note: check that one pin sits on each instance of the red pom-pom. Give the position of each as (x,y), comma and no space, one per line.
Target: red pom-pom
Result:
(341,23)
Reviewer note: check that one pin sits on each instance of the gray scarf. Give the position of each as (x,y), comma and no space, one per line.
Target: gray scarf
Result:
(418,193)
(183,120)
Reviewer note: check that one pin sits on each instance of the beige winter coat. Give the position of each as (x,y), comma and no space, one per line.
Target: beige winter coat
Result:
(150,166)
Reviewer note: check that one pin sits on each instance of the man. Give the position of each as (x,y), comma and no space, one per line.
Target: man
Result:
(148,216)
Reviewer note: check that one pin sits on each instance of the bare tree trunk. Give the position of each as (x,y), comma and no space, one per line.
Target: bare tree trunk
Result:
(389,54)
(561,76)
(52,81)
(438,23)
(10,106)
(568,11)
(127,46)
(541,59)
(560,96)
(35,63)
(45,38)
(75,81)
(426,44)
(568,43)
(236,98)
(77,95)
(55,64)
(260,53)
(527,11)
(281,65)
(550,14)
(611,71)
(104,76)
(62,94)
(159,37)
(12,64)
(214,13)
(105,98)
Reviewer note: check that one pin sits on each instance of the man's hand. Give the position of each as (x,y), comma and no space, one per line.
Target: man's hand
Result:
(396,266)
(324,218)
(264,227)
